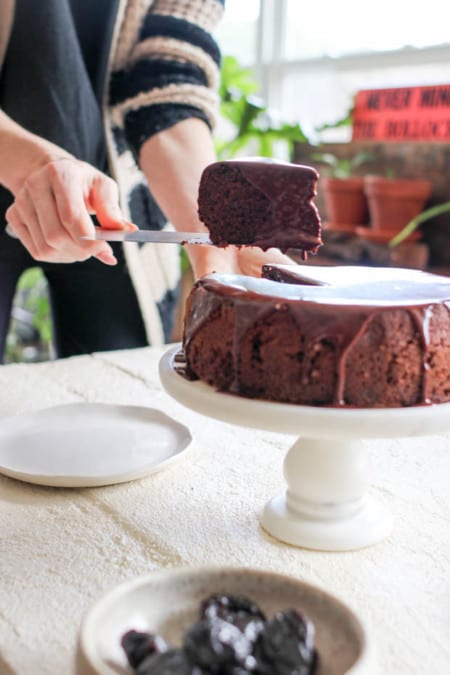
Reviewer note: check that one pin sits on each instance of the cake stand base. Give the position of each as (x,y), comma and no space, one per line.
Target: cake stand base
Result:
(327,505)
(371,524)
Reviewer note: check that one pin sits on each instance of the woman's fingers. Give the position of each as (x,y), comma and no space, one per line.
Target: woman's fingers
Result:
(50,214)
(103,200)
(72,212)
(21,231)
(247,260)
(24,218)
(251,259)
(207,259)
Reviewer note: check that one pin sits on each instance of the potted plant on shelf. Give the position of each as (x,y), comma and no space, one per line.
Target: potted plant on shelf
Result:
(394,202)
(345,199)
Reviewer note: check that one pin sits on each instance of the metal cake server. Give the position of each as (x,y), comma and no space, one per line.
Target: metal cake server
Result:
(156,236)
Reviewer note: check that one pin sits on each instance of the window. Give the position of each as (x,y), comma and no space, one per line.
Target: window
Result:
(330,28)
(312,57)
(238,32)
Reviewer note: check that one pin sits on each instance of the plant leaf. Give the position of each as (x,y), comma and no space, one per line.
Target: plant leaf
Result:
(417,221)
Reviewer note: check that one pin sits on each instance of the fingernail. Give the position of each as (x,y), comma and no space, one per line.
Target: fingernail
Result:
(107,258)
(130,227)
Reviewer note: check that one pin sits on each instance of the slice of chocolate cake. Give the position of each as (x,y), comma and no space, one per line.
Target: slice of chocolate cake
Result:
(260,202)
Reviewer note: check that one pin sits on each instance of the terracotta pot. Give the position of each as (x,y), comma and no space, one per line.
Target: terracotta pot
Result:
(345,201)
(393,202)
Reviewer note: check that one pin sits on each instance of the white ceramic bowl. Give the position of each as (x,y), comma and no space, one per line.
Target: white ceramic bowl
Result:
(167,602)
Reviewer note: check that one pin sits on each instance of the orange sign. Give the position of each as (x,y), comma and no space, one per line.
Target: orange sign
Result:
(403,114)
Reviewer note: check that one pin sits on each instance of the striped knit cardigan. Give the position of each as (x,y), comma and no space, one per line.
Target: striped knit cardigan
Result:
(163,67)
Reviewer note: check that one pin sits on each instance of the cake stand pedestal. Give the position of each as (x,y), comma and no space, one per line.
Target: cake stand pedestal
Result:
(326,505)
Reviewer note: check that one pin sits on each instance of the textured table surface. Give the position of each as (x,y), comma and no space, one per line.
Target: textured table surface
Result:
(60,549)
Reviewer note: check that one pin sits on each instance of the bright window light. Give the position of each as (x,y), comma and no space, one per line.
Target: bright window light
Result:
(350,26)
(237,31)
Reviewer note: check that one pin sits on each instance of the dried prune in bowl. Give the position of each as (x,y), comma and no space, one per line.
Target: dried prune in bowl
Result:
(171,662)
(286,645)
(230,608)
(139,644)
(216,645)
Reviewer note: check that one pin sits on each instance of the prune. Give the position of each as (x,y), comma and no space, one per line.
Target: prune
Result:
(236,609)
(172,662)
(286,646)
(230,608)
(232,637)
(252,629)
(138,645)
(216,645)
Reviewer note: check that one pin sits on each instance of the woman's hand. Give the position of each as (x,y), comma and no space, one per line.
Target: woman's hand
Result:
(251,259)
(246,260)
(52,207)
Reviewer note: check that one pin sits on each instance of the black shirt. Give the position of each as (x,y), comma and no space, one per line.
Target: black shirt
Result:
(53,76)
(94,24)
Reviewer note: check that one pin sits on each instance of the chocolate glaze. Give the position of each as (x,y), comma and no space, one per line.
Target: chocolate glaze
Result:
(287,217)
(324,312)
(253,168)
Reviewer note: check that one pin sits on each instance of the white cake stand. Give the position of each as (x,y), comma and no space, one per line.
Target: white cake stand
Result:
(326,505)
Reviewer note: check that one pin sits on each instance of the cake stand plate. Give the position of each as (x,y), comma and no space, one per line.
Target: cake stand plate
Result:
(326,505)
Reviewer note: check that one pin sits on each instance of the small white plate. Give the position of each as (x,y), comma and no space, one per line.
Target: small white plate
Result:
(167,602)
(89,444)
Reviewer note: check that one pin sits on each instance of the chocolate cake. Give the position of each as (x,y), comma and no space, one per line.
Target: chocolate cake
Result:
(380,344)
(260,202)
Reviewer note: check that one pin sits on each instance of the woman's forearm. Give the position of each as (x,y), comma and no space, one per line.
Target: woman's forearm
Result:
(21,152)
(173,162)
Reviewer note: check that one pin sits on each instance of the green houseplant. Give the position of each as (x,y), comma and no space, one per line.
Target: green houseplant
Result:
(30,337)
(255,128)
(417,221)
